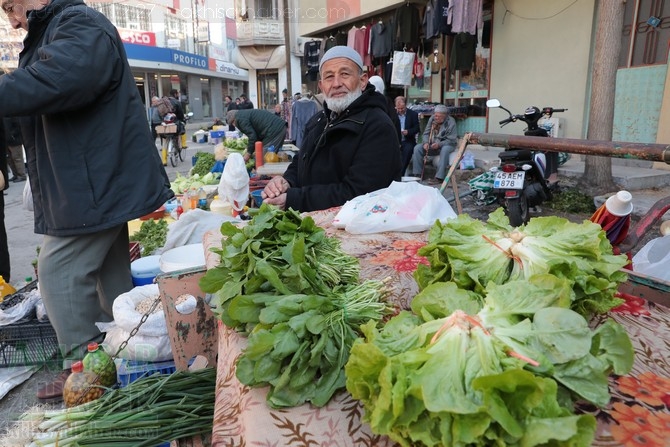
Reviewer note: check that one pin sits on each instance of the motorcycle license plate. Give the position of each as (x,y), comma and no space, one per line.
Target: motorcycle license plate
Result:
(509,180)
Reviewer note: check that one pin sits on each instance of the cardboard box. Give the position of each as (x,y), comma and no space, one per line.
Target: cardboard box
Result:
(167,128)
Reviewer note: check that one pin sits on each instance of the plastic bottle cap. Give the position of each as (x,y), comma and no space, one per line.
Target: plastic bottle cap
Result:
(93,346)
(77,367)
(29,279)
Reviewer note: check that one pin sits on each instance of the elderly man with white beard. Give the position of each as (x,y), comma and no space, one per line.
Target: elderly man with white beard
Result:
(350,148)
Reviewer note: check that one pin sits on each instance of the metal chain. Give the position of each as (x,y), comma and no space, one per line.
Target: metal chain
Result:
(121,347)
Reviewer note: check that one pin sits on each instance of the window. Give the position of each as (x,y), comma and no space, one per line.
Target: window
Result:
(124,16)
(175,28)
(646,33)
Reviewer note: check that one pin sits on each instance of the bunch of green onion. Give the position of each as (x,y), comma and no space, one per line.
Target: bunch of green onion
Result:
(148,412)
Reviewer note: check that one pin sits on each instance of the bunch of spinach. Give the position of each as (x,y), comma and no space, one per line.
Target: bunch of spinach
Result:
(300,343)
(502,371)
(283,281)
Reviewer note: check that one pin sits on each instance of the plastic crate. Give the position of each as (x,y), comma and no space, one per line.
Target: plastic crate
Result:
(128,371)
(30,343)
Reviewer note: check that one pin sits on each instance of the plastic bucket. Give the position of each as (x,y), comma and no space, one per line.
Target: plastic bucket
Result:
(181,258)
(144,270)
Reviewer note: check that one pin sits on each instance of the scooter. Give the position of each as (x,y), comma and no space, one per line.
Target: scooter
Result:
(520,183)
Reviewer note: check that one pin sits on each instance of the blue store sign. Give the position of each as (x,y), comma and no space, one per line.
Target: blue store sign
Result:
(156,54)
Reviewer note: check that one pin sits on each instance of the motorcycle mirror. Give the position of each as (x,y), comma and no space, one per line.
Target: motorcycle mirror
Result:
(492,103)
(189,114)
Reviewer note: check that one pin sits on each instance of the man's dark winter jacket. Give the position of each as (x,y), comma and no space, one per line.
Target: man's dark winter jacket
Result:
(91,159)
(260,125)
(353,154)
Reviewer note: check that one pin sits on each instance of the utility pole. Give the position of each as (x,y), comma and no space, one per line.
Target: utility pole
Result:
(287,44)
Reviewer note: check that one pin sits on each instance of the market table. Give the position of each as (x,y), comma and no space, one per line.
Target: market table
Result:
(639,413)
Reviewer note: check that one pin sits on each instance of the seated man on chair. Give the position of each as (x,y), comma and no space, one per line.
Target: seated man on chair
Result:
(439,138)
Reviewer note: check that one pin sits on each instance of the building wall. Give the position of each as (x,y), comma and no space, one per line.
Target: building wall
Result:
(314,15)
(541,60)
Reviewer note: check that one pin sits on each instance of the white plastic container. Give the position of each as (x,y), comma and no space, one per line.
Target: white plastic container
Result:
(181,258)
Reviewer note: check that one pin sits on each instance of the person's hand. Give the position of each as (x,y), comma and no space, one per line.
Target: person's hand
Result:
(279,201)
(246,156)
(434,146)
(275,187)
(404,132)
(425,146)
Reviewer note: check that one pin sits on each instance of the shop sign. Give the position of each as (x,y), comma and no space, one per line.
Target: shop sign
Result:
(228,68)
(219,53)
(191,60)
(138,37)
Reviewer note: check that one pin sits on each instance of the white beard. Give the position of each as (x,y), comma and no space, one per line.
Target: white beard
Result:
(338,105)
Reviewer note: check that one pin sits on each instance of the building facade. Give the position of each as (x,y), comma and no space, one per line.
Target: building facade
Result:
(522,52)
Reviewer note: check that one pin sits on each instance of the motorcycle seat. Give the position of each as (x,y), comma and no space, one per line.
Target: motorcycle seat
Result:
(516,154)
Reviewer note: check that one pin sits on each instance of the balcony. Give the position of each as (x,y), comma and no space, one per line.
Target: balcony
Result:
(260,32)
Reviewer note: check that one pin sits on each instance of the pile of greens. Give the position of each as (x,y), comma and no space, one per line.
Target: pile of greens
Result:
(293,290)
(203,164)
(471,253)
(501,370)
(151,236)
(236,144)
(181,183)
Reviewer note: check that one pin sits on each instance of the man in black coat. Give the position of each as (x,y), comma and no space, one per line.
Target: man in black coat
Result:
(409,128)
(244,103)
(350,148)
(92,164)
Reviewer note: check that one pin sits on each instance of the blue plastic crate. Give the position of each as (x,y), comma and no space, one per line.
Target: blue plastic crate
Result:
(128,371)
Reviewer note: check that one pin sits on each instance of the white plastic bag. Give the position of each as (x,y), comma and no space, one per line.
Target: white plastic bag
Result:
(403,206)
(141,348)
(21,310)
(191,227)
(234,183)
(27,197)
(151,343)
(654,258)
(127,318)
(403,64)
(468,161)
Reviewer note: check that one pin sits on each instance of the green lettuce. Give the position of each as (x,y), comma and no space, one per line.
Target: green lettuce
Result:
(472,253)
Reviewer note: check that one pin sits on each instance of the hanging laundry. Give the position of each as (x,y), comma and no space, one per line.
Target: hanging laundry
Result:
(443,13)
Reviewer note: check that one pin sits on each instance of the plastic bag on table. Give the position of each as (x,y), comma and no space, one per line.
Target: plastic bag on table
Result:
(26,302)
(403,206)
(234,183)
(191,228)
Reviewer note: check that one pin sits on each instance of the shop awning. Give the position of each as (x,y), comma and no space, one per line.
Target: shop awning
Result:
(260,58)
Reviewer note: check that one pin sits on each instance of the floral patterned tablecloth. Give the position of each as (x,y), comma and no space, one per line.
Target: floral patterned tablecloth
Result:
(638,415)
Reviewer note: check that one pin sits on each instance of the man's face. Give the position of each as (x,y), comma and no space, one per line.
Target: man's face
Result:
(17,10)
(400,107)
(339,77)
(439,118)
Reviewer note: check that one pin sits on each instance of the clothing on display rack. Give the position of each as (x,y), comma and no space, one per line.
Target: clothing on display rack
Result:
(312,55)
(463,51)
(431,22)
(303,109)
(381,39)
(465,16)
(407,26)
